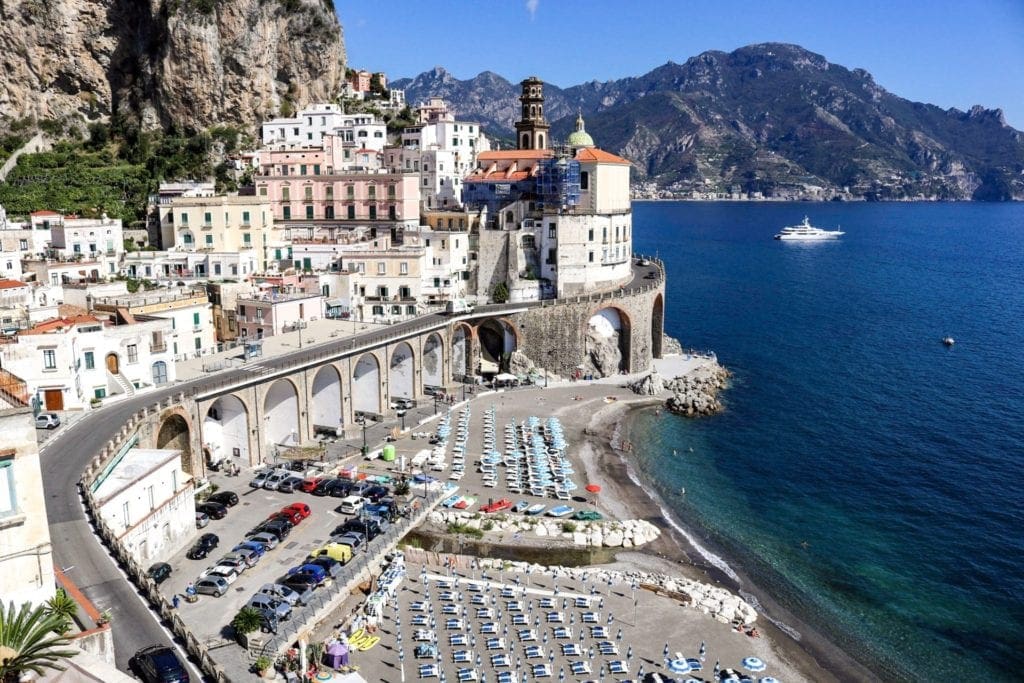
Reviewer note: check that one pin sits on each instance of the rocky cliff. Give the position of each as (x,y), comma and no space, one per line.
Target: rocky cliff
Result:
(186,64)
(771,118)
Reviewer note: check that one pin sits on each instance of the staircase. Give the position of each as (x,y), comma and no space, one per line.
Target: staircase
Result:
(123,386)
(13,390)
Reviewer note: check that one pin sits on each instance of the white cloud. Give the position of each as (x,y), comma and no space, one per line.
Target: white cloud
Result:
(531,7)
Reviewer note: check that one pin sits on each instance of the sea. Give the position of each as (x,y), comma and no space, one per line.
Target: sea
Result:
(864,475)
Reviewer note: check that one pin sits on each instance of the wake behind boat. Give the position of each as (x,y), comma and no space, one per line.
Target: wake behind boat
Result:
(806,231)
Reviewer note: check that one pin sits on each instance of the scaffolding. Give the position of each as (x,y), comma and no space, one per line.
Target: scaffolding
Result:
(558,183)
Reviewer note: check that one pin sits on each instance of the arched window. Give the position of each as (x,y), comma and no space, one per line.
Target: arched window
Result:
(509,217)
(159,373)
(526,141)
(540,140)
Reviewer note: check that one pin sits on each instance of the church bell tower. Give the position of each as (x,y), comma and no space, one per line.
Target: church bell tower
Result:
(532,128)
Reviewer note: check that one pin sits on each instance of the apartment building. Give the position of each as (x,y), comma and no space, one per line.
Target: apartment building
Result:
(269,314)
(188,310)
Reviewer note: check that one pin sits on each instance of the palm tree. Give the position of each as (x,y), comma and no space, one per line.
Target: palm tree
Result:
(28,643)
(62,606)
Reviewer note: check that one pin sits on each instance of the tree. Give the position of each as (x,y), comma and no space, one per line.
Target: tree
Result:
(247,620)
(64,608)
(28,643)
(500,294)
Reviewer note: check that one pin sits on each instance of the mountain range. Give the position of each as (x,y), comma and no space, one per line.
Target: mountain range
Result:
(773,119)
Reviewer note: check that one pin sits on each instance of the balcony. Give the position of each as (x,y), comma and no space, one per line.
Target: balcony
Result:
(206,226)
(157,348)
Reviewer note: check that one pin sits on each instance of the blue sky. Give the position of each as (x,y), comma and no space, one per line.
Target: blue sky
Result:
(953,54)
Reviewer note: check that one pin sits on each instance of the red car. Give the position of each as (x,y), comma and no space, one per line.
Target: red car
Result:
(288,514)
(497,506)
(300,508)
(309,484)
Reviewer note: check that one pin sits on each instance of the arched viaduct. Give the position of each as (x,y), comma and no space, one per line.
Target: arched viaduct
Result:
(252,414)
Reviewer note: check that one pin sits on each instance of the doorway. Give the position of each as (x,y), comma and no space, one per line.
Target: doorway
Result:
(112,365)
(54,399)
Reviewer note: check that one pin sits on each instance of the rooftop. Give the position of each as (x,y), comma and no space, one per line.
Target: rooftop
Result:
(136,463)
(61,325)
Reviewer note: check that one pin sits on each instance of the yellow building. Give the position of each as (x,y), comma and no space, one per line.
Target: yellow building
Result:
(220,224)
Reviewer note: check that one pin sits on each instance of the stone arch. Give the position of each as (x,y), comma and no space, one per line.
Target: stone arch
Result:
(657,326)
(281,413)
(176,433)
(366,384)
(432,361)
(462,358)
(498,339)
(226,429)
(607,337)
(402,372)
(325,406)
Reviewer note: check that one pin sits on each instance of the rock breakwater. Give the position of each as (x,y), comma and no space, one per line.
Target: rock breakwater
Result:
(693,395)
(628,533)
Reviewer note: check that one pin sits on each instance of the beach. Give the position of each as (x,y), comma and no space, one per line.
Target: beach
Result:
(595,417)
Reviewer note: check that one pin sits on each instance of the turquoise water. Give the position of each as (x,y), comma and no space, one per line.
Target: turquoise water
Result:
(863,474)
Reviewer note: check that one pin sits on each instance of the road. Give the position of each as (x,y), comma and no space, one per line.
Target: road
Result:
(78,552)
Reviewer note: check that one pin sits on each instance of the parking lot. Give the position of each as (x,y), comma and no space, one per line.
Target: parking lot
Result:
(209,615)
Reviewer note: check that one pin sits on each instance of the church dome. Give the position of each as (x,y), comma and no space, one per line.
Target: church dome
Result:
(580,137)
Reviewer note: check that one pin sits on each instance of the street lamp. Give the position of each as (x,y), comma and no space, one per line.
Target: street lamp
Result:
(403,420)
(435,404)
(365,449)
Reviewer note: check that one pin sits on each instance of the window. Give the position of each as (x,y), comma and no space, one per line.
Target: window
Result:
(216,269)
(8,494)
(23,245)
(551,231)
(378,310)
(552,256)
(590,256)
(302,169)
(329,212)
(247,238)
(133,353)
(286,193)
(90,360)
(152,497)
(49,359)
(584,180)
(125,517)
(329,192)
(245,218)
(199,343)
(309,192)
(350,191)
(373,213)
(287,212)
(263,190)
(99,393)
(309,212)
(184,219)
(187,238)
(382,268)
(209,240)
(403,268)
(207,218)
(590,234)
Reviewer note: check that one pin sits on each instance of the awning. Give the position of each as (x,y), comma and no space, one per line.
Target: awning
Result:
(335,303)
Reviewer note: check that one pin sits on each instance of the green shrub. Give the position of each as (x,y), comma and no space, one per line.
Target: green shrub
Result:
(568,527)
(247,620)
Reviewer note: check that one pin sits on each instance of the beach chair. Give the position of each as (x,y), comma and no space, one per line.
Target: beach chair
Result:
(589,617)
(527,635)
(489,629)
(598,632)
(562,632)
(457,640)
(467,675)
(429,671)
(618,666)
(533,652)
(579,668)
(606,647)
(541,671)
(555,618)
(462,657)
(571,650)
(501,661)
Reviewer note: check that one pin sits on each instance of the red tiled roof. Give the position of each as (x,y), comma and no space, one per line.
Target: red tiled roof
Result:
(44,213)
(513,154)
(60,324)
(498,175)
(11,284)
(598,155)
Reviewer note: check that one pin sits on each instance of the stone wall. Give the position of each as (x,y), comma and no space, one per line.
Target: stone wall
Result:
(553,335)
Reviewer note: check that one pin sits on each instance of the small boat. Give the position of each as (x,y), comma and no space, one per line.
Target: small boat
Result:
(948,341)
(466,503)
(806,231)
(520,506)
(536,509)
(560,511)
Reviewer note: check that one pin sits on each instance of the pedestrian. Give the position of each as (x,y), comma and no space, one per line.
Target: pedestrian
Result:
(175,601)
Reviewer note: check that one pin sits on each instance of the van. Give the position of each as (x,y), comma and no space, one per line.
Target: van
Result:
(351,505)
(458,306)
(335,551)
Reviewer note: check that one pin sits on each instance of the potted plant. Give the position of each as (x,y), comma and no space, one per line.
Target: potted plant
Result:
(245,622)
(104,618)
(316,655)
(262,665)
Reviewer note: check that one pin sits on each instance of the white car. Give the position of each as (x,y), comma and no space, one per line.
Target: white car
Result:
(350,505)
(229,574)
(47,421)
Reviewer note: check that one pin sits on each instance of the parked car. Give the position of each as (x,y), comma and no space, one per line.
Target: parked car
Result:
(339,488)
(202,520)
(228,498)
(371,527)
(335,551)
(302,584)
(251,547)
(212,585)
(265,539)
(280,592)
(243,559)
(260,479)
(375,493)
(228,573)
(214,510)
(290,485)
(300,508)
(358,488)
(310,483)
(159,572)
(315,571)
(289,516)
(328,564)
(353,539)
(350,505)
(279,527)
(385,510)
(497,505)
(47,421)
(275,478)
(323,486)
(264,602)
(158,664)
(202,547)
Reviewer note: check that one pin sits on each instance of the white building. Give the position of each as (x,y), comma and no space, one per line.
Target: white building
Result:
(26,556)
(188,309)
(89,239)
(305,129)
(68,362)
(148,501)
(169,267)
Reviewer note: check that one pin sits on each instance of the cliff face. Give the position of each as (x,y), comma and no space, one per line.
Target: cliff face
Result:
(182,63)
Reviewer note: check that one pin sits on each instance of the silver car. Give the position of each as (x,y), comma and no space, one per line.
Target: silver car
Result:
(279,592)
(268,540)
(212,585)
(275,478)
(202,519)
(262,601)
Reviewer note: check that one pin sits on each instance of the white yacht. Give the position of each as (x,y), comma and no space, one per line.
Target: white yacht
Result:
(806,231)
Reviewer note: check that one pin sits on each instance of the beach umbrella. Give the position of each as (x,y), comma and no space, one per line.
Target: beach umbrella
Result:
(665,651)
(545,638)
(572,617)
(551,656)
(629,652)
(618,636)
(600,603)
(640,672)
(767,679)
(717,668)
(479,661)
(561,673)
(678,666)
(753,664)
(524,677)
(611,617)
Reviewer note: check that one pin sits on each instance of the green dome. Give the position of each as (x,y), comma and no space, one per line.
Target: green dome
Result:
(580,137)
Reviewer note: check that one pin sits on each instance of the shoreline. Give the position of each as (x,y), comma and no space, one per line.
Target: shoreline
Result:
(678,551)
